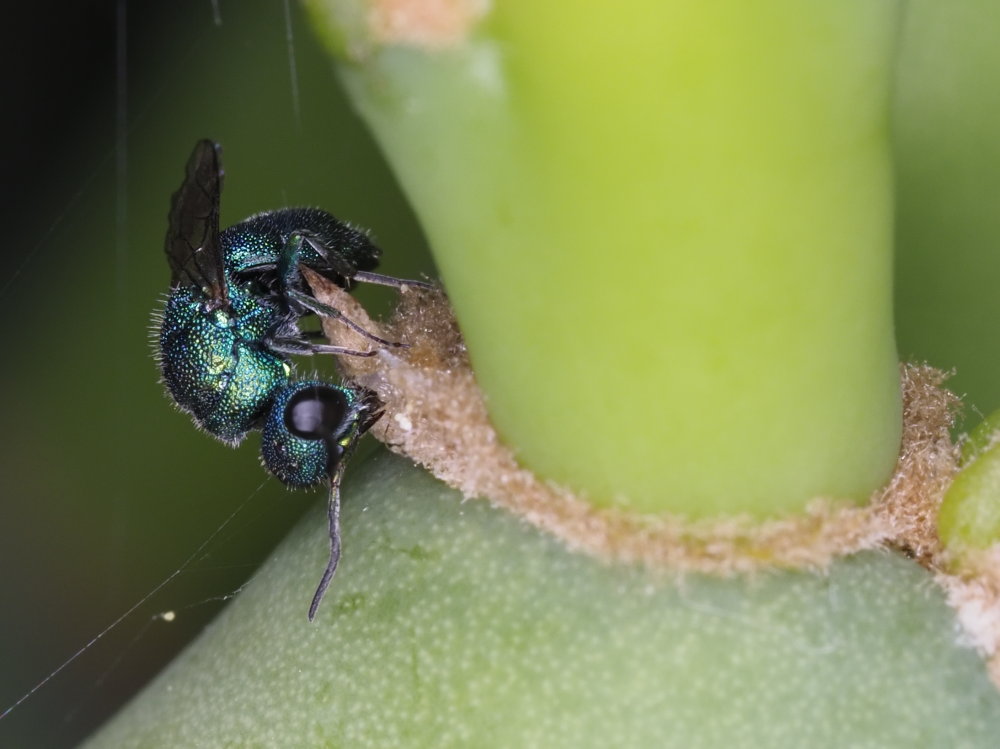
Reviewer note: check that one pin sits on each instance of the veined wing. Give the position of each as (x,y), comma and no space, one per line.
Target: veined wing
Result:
(192,245)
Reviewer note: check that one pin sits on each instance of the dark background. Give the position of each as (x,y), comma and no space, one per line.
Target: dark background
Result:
(104,488)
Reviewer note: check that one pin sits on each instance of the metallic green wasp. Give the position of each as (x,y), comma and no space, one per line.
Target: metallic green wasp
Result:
(230,324)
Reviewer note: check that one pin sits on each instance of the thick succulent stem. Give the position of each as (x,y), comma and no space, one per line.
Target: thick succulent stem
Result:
(666,231)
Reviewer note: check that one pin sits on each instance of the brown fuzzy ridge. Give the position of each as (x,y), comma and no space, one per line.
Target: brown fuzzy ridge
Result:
(436,416)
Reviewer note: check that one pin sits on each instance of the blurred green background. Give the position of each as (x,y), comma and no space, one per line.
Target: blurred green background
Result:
(104,488)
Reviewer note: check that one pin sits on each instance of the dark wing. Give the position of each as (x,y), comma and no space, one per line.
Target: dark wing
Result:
(192,246)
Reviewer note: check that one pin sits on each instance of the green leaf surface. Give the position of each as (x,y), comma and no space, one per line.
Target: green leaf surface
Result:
(452,624)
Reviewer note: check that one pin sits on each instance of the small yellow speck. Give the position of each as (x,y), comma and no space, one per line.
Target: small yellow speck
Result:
(217,364)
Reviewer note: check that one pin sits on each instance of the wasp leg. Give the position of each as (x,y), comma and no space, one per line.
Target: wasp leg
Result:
(326,310)
(344,268)
(332,262)
(299,347)
(381,280)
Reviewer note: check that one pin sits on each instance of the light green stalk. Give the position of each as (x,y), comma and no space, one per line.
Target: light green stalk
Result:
(666,231)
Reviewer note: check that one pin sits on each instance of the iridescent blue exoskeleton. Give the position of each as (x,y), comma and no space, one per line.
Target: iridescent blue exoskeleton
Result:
(231,322)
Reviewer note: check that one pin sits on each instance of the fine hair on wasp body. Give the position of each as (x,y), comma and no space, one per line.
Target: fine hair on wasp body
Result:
(230,325)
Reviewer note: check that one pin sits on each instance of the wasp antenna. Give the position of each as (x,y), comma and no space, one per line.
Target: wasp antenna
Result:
(333,521)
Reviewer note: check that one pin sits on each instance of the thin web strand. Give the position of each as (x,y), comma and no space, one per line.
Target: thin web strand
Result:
(162,584)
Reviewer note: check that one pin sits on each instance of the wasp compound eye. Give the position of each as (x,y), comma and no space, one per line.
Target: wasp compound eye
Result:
(316,413)
(304,431)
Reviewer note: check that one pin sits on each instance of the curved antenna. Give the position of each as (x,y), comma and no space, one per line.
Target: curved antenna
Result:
(333,520)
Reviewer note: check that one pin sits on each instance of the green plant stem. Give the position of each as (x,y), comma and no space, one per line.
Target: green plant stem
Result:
(666,231)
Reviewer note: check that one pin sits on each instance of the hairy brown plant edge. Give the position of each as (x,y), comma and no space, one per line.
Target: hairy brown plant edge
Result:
(435,415)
